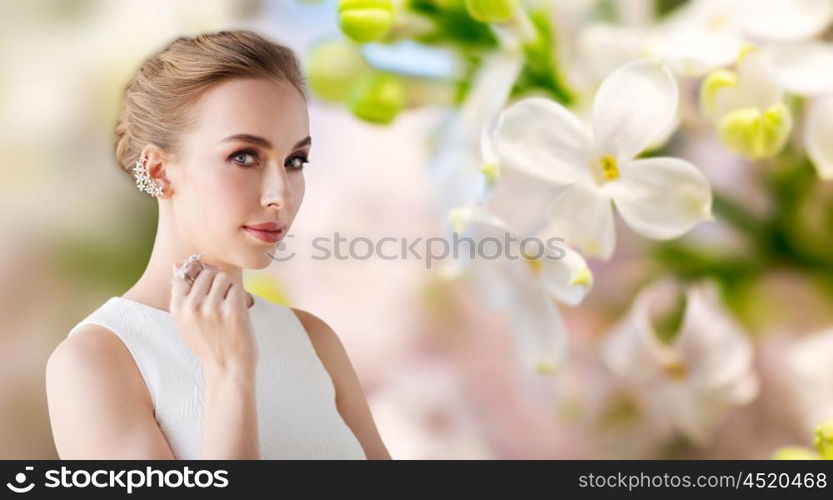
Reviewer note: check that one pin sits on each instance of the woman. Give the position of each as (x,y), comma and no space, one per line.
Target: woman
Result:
(189,365)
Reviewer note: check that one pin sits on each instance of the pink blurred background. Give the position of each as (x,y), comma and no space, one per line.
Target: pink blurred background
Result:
(433,358)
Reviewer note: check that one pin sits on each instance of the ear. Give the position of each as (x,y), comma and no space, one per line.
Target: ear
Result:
(158,167)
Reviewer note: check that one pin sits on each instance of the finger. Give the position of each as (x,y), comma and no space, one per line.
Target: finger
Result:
(219,287)
(202,284)
(179,286)
(235,297)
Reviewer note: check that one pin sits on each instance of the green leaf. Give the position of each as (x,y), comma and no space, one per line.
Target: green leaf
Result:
(541,70)
(453,25)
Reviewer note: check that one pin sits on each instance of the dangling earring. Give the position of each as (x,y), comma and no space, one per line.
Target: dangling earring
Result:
(143,180)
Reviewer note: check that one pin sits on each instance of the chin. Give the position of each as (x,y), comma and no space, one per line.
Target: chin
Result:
(258,260)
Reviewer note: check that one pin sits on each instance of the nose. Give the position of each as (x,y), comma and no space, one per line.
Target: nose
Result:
(276,192)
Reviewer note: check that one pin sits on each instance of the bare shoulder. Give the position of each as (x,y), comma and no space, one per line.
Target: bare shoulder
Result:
(93,364)
(94,351)
(322,336)
(350,399)
(97,397)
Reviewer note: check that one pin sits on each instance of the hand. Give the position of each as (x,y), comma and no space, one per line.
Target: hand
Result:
(212,316)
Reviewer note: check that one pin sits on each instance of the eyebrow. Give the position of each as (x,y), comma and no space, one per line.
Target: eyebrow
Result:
(260,141)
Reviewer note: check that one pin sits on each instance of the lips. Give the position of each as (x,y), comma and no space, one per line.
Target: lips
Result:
(266,226)
(270,232)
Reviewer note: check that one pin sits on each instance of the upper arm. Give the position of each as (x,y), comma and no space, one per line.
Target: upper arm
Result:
(350,398)
(99,407)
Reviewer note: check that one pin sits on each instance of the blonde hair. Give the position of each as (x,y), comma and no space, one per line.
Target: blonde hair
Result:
(156,102)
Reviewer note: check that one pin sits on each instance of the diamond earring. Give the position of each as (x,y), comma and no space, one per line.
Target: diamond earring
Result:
(143,180)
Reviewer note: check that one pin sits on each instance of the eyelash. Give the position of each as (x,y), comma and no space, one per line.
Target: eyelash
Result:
(304,159)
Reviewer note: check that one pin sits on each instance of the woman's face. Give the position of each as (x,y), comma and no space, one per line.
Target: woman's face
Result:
(240,165)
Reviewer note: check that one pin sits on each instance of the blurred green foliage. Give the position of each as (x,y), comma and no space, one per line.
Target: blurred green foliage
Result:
(103,261)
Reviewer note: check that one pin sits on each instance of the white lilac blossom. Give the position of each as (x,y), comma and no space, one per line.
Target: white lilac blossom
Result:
(526,277)
(802,69)
(661,197)
(604,46)
(707,34)
(462,157)
(685,355)
(809,371)
(747,107)
(689,51)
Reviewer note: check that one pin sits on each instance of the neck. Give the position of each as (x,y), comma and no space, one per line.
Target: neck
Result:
(153,287)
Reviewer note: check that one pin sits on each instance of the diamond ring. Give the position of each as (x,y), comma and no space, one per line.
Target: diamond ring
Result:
(183,270)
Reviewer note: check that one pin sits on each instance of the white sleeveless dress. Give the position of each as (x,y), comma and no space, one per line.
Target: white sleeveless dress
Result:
(297,414)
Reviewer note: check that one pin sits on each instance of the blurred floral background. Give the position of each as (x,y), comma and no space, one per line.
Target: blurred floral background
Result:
(682,151)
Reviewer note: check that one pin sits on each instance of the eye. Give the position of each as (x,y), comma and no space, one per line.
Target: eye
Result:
(297,162)
(242,154)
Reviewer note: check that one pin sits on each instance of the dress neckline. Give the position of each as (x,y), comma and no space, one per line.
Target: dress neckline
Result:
(255,298)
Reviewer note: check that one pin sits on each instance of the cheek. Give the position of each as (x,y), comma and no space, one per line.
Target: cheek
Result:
(221,190)
(298,188)
(206,177)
